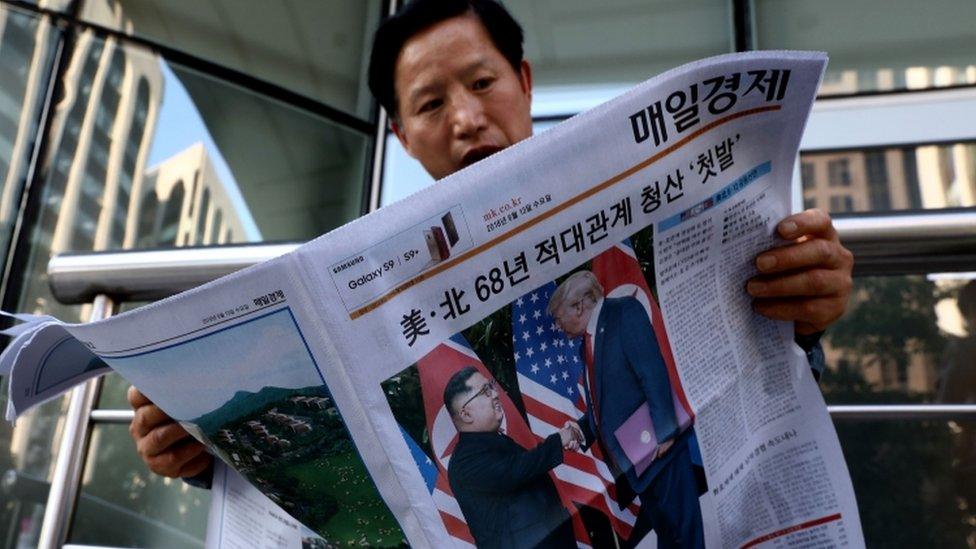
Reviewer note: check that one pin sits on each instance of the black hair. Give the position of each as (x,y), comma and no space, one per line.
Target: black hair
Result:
(457,385)
(418,15)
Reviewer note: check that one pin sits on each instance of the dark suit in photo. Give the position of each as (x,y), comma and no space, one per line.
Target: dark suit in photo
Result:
(629,404)
(506,494)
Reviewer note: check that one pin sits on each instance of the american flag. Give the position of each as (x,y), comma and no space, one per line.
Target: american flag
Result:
(550,377)
(435,369)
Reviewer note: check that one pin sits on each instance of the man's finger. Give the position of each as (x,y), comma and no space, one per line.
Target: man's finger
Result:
(814,313)
(816,252)
(811,222)
(160,439)
(147,418)
(171,462)
(196,465)
(136,398)
(808,283)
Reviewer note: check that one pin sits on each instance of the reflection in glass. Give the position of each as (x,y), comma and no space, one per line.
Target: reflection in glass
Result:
(145,154)
(28,448)
(113,393)
(317,49)
(117,490)
(894,178)
(100,139)
(904,339)
(876,47)
(298,175)
(27,453)
(55,5)
(26,53)
(617,41)
(911,489)
(957,382)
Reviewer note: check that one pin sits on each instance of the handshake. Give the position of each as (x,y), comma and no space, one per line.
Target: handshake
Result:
(571,436)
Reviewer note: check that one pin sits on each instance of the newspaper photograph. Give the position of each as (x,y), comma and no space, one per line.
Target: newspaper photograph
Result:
(552,347)
(532,365)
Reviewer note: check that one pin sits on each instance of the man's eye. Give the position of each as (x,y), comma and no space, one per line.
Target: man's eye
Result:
(482,83)
(430,105)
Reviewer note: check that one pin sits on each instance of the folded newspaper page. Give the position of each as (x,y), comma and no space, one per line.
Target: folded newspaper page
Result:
(553,346)
(241,517)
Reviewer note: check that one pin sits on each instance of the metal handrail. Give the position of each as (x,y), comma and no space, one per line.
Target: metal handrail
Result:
(897,243)
(855,412)
(911,242)
(66,478)
(838,412)
(147,275)
(121,417)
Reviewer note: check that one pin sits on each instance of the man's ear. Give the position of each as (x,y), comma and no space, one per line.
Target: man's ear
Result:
(463,416)
(401,135)
(525,78)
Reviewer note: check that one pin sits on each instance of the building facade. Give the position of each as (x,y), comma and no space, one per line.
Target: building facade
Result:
(134,124)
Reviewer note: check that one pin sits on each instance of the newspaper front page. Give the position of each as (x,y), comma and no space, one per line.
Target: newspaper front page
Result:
(551,346)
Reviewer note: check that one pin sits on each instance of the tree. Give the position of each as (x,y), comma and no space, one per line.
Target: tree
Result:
(890,319)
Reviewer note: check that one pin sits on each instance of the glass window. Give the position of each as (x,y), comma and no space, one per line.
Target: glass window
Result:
(27,46)
(841,203)
(904,339)
(55,5)
(914,481)
(317,49)
(579,43)
(876,47)
(839,173)
(141,132)
(27,448)
(27,453)
(137,146)
(117,489)
(402,175)
(892,178)
(218,220)
(807,173)
(876,168)
(203,213)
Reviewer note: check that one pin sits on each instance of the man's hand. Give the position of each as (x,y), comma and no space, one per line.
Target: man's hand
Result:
(807,281)
(162,443)
(571,436)
(663,448)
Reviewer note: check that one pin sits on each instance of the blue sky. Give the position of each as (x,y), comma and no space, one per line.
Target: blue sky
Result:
(179,126)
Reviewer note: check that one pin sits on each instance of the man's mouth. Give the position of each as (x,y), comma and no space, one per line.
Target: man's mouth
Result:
(478,153)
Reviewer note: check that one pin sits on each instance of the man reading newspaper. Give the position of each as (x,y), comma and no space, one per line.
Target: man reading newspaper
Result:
(451,73)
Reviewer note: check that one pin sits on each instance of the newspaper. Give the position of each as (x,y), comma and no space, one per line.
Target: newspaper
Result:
(242,517)
(579,298)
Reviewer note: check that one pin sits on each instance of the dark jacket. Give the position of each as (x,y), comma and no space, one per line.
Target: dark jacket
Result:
(506,494)
(630,372)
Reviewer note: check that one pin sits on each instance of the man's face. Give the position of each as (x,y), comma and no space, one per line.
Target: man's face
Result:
(480,409)
(572,317)
(458,98)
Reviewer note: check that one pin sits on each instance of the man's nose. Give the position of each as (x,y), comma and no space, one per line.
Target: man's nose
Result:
(468,116)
